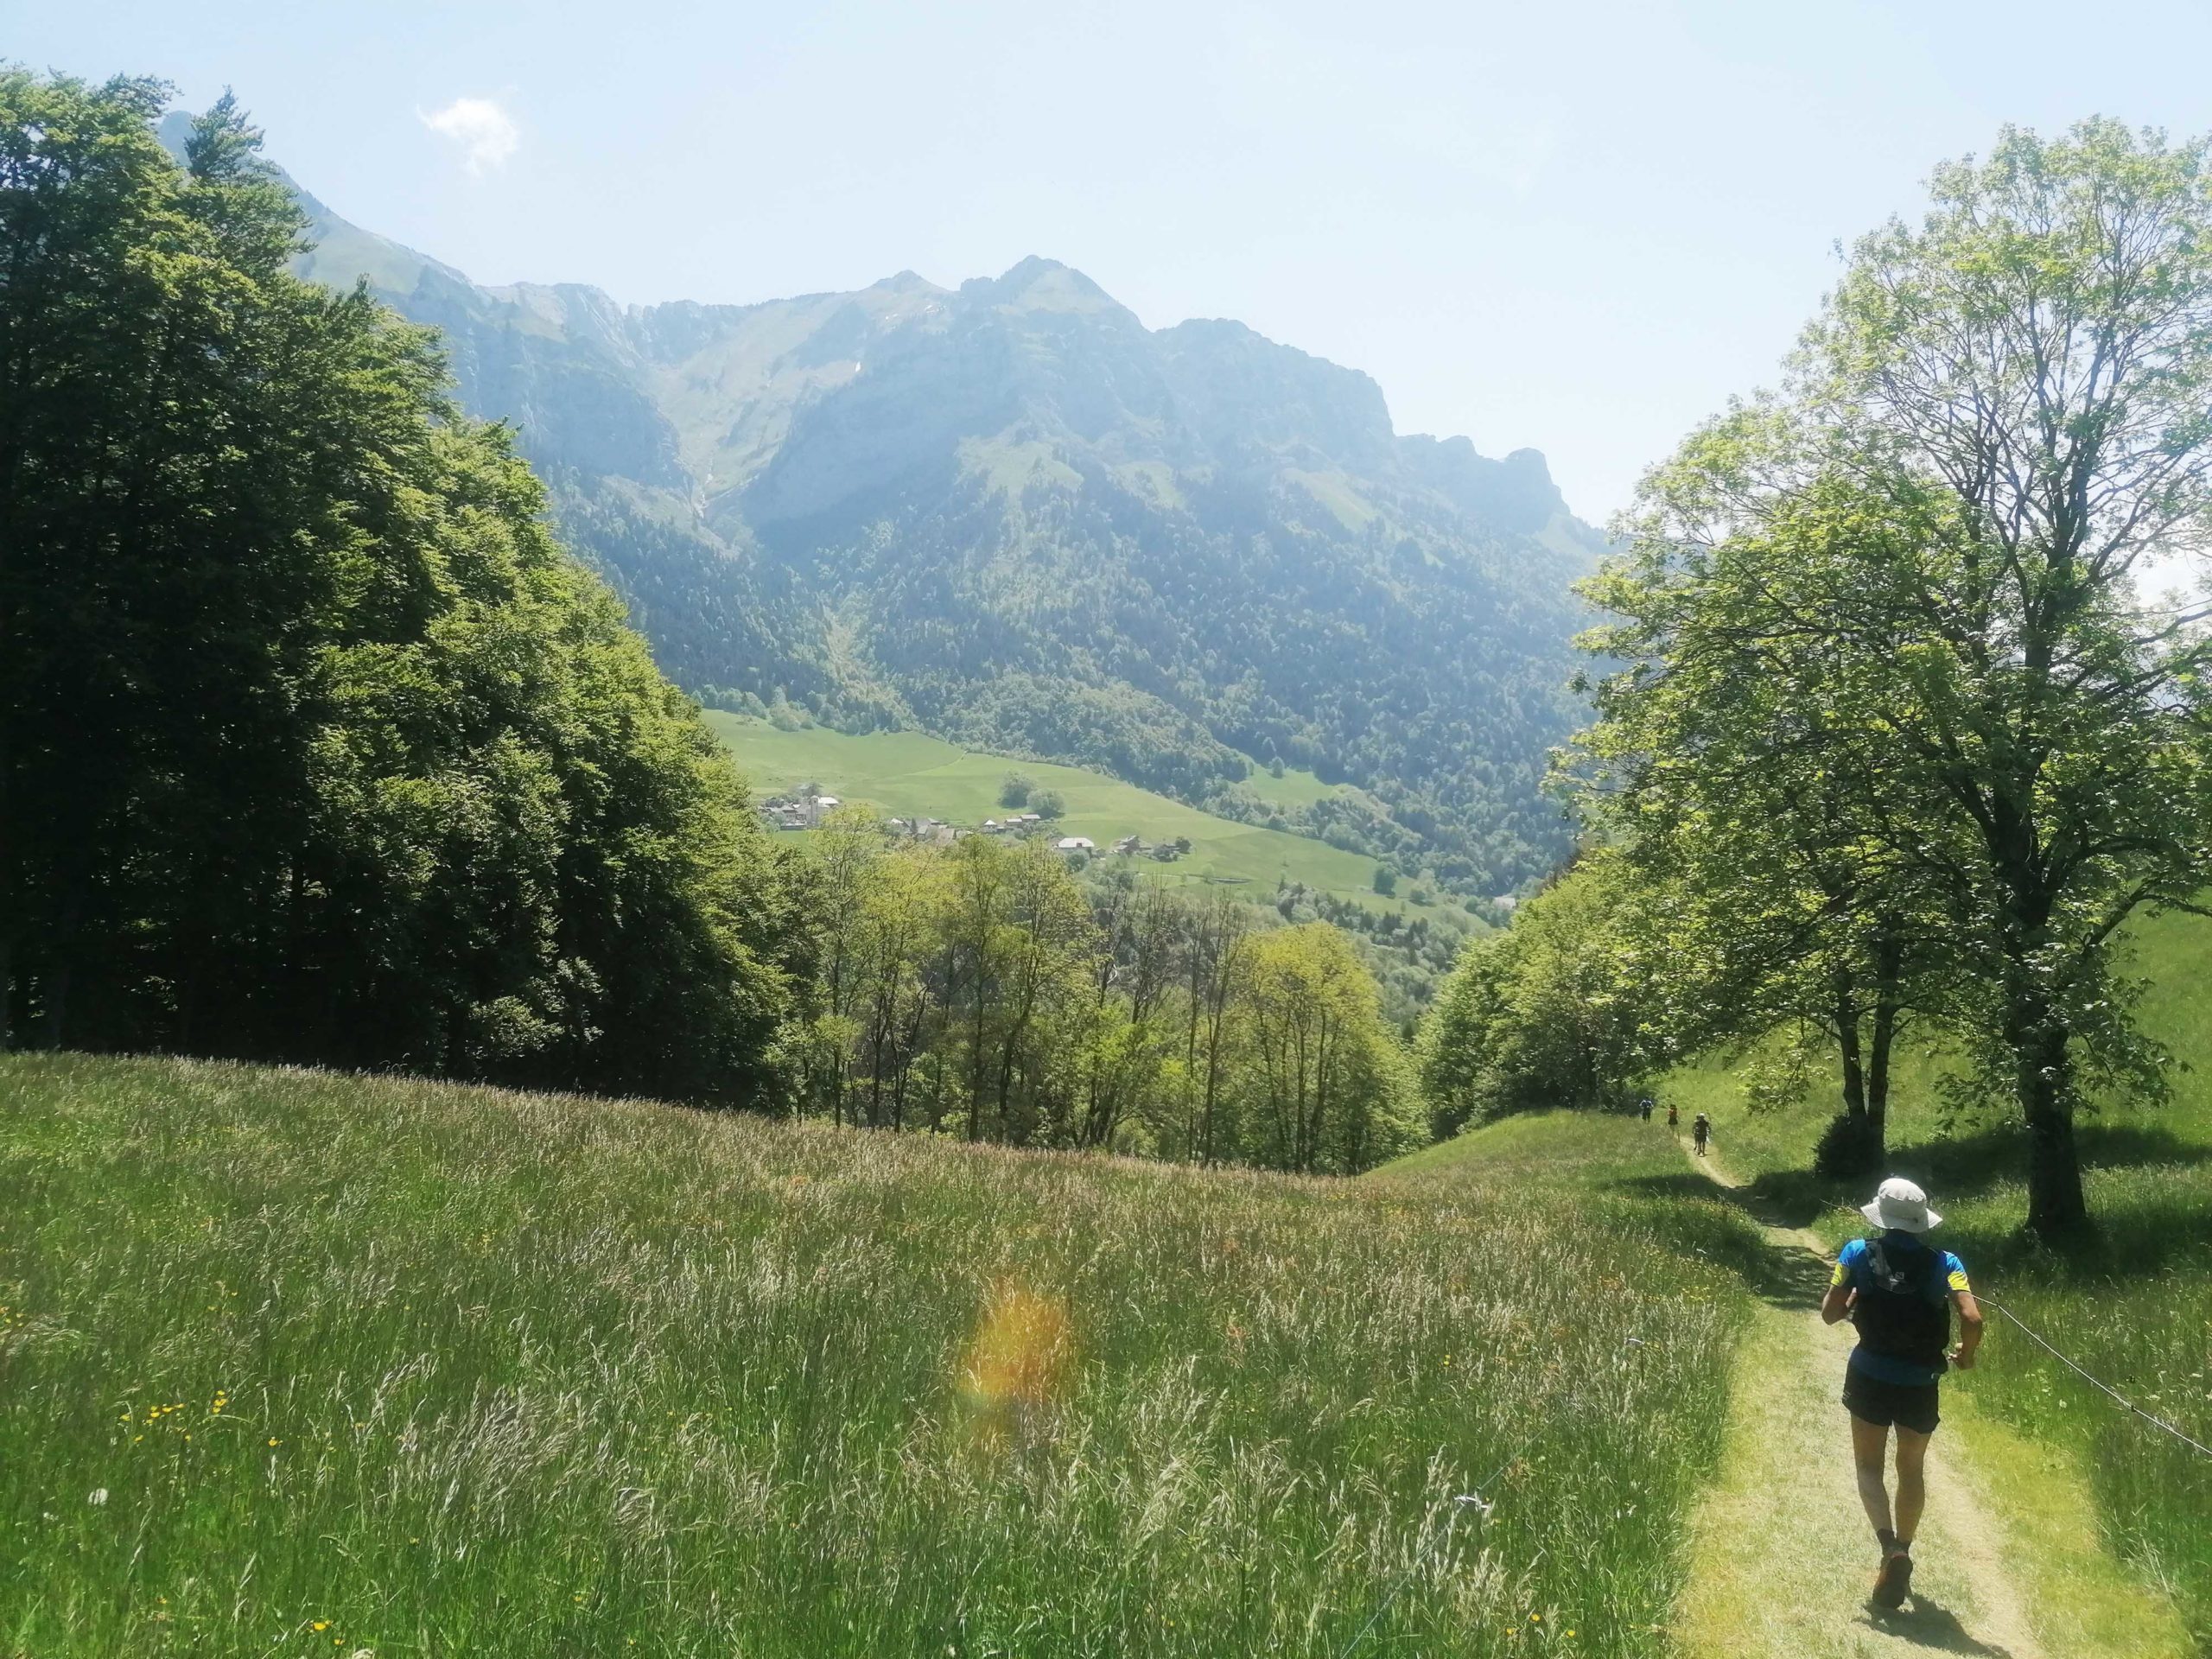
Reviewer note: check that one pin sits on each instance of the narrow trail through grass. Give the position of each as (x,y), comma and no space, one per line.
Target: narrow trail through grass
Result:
(2007,1560)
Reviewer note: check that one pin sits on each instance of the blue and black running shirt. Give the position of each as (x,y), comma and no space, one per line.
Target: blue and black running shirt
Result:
(1902,1333)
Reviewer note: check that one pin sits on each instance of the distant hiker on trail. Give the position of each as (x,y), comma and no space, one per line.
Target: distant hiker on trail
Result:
(1700,1132)
(1644,1106)
(1899,1292)
(1674,1114)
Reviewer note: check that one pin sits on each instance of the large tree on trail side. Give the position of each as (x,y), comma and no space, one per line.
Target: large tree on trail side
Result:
(1730,766)
(1999,421)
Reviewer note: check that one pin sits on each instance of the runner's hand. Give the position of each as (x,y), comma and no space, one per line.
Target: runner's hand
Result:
(1962,1356)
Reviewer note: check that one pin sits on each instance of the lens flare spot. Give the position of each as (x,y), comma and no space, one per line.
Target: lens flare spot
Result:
(1018,1362)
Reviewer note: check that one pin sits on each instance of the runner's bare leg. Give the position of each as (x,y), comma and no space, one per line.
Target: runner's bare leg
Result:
(1868,1443)
(1912,1486)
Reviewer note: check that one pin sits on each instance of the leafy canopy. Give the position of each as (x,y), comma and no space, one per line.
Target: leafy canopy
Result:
(1887,623)
(314,745)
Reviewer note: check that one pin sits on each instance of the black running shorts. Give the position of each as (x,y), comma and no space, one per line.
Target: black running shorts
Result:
(1905,1405)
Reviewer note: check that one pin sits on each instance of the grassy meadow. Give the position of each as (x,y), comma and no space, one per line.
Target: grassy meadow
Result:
(906,774)
(2134,1305)
(294,1363)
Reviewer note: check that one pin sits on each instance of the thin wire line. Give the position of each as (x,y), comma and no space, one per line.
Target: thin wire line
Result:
(2156,1423)
(1406,1576)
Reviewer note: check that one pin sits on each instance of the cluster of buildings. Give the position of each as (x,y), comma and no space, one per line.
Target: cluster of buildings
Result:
(805,809)
(801,810)
(1164,852)
(933,829)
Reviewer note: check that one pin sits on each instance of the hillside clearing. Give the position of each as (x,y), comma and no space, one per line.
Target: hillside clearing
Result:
(294,1358)
(907,773)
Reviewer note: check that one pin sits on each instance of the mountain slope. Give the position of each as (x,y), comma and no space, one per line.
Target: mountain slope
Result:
(1012,515)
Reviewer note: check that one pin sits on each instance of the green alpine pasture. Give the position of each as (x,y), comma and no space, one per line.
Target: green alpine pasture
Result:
(1290,787)
(2134,1307)
(301,1363)
(909,773)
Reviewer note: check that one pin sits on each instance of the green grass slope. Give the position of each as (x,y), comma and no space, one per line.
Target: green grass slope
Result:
(2134,1305)
(300,1364)
(907,773)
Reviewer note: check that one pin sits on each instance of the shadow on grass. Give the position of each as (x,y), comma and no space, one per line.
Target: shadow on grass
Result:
(1971,1166)
(1784,1274)
(1928,1624)
(2129,1234)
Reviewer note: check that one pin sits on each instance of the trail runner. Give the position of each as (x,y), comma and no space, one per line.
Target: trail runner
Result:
(1644,1107)
(1700,1132)
(1674,1114)
(1899,1292)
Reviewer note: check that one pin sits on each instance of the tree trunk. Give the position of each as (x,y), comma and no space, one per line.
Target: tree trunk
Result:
(1878,1080)
(57,1003)
(1191,1058)
(1847,1149)
(2055,1205)
(1854,1073)
(977,1064)
(2039,1037)
(1213,1092)
(66,935)
(1889,964)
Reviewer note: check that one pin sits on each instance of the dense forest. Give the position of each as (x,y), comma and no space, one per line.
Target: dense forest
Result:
(313,744)
(1011,515)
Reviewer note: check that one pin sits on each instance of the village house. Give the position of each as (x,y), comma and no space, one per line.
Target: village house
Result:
(784,814)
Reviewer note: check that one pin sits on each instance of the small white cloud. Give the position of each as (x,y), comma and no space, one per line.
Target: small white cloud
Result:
(486,133)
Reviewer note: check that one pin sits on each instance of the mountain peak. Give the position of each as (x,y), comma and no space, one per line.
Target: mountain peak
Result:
(904,281)
(1517,493)
(1037,283)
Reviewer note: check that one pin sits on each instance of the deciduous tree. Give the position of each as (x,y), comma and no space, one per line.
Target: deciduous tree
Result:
(1999,419)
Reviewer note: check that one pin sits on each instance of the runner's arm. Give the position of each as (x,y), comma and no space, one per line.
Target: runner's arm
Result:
(1836,1306)
(1970,1327)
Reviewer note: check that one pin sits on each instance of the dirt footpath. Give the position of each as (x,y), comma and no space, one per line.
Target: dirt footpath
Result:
(1783,1558)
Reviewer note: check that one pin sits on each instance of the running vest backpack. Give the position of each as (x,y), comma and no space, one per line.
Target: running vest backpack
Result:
(1905,1311)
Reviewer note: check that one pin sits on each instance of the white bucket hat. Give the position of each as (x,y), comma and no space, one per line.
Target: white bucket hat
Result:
(1901,1206)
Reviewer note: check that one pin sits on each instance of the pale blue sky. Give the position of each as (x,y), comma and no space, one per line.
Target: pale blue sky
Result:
(1574,226)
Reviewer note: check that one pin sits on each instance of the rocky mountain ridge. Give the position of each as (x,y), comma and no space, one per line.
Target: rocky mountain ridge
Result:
(1009,513)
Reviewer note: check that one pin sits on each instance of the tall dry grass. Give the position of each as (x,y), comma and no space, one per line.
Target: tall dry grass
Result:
(297,1363)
